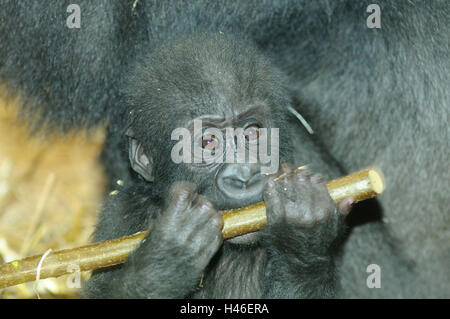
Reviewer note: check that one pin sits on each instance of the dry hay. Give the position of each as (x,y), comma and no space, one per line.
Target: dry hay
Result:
(50,190)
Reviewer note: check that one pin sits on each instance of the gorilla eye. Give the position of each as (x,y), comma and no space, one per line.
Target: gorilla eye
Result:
(252,132)
(210,142)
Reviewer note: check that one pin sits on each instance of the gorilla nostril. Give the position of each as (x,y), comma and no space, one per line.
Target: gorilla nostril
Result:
(241,182)
(255,179)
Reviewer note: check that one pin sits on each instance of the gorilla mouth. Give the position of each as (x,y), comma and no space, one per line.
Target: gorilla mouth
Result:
(240,194)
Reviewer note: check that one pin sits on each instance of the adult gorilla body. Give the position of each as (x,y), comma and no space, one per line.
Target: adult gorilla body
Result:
(373,96)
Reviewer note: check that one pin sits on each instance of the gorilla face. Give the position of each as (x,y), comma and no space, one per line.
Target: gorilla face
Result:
(222,104)
(225,108)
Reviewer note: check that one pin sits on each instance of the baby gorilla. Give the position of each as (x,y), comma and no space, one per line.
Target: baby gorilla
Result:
(225,83)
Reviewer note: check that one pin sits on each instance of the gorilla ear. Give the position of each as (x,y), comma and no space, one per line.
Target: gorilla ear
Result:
(141,162)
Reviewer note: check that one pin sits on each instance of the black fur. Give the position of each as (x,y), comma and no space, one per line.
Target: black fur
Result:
(373,96)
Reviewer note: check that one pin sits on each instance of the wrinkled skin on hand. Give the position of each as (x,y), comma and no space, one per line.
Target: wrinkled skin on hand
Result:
(304,226)
(300,210)
(185,236)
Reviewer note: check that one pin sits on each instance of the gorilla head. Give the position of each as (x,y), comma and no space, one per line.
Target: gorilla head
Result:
(222,82)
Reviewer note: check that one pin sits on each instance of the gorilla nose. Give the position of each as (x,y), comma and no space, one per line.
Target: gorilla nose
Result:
(241,181)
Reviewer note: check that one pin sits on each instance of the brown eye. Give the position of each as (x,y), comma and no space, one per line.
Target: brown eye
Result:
(209,142)
(252,132)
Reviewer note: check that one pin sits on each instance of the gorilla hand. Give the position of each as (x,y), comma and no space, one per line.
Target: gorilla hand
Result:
(183,239)
(301,215)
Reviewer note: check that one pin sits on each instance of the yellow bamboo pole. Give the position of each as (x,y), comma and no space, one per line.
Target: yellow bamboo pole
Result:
(361,185)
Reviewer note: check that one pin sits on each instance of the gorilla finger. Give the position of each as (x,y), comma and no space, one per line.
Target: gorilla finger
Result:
(216,243)
(181,190)
(218,221)
(274,205)
(212,248)
(211,216)
(287,168)
(345,205)
(204,205)
(303,175)
(205,211)
(181,195)
(317,179)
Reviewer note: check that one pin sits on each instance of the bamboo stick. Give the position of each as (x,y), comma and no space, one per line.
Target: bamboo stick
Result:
(361,185)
